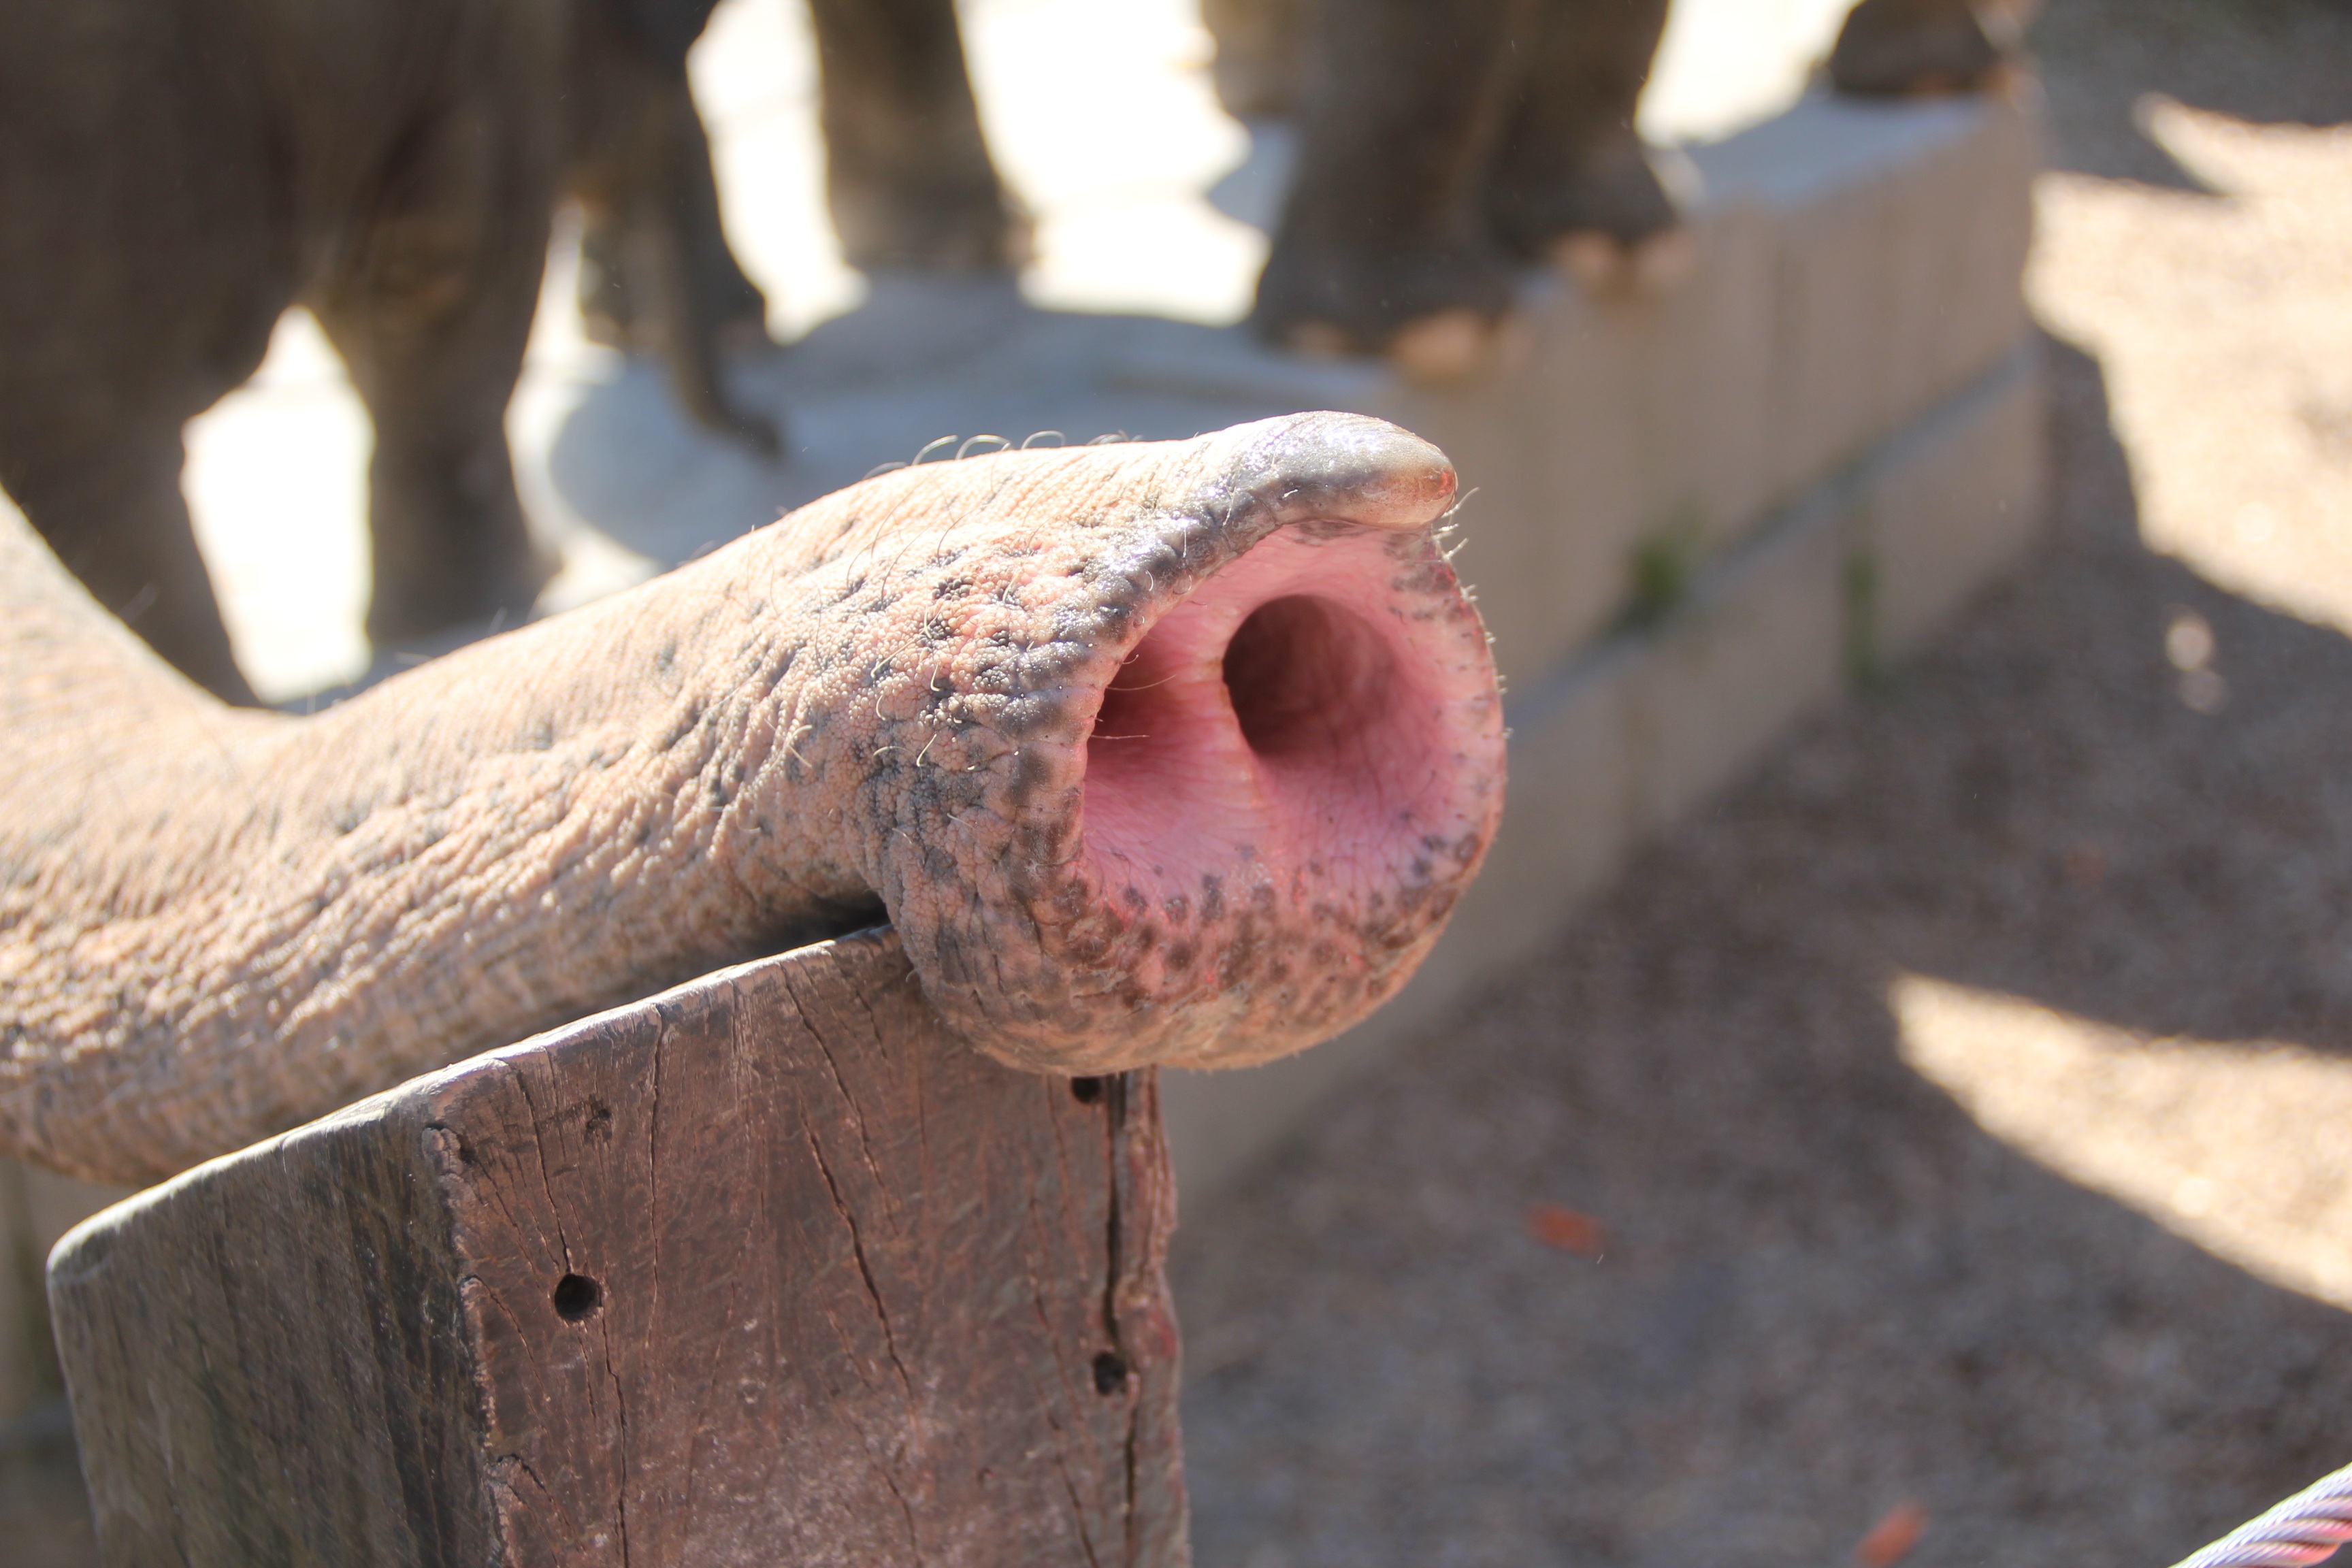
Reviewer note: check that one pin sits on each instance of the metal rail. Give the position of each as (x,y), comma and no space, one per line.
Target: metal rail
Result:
(2306,1528)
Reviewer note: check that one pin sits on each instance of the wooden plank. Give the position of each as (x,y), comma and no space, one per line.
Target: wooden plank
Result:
(764,1270)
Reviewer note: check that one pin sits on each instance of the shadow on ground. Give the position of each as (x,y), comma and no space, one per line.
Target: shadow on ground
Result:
(1826,1290)
(2271,61)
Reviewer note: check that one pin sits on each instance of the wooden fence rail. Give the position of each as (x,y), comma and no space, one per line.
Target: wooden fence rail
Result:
(764,1270)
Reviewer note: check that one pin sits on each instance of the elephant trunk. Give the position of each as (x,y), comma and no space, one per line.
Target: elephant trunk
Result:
(1174,753)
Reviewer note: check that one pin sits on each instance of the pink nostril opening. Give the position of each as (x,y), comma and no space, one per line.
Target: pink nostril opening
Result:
(1306,678)
(1288,726)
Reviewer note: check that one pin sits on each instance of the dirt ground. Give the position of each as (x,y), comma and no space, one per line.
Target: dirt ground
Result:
(1961,1110)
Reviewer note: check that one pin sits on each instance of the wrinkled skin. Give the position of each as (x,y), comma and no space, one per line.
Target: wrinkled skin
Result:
(1175,752)
(1446,143)
(174,175)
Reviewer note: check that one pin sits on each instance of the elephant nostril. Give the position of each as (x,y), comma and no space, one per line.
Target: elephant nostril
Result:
(1305,679)
(1295,765)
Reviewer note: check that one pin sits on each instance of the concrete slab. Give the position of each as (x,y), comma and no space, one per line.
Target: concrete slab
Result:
(1852,266)
(1957,505)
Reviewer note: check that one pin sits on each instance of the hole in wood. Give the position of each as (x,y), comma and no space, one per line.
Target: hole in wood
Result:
(1085,1090)
(1110,1373)
(578,1297)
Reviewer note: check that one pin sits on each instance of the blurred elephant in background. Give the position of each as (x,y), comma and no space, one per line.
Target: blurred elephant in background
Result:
(1444,143)
(1908,47)
(175,175)
(656,272)
(909,180)
(164,198)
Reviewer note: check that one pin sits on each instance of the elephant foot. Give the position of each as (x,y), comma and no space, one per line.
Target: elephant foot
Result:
(966,228)
(1431,352)
(1260,63)
(757,431)
(613,315)
(1540,195)
(426,616)
(1917,48)
(1432,310)
(742,337)
(1609,267)
(1446,347)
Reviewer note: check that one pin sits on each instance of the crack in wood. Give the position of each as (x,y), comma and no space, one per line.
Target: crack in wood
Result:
(346,1346)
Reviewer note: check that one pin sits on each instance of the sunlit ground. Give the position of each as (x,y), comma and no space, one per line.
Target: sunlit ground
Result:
(2224,325)
(2241,1147)
(1966,1097)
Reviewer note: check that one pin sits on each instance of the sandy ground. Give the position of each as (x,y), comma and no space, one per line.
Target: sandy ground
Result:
(1958,1109)
(1961,1110)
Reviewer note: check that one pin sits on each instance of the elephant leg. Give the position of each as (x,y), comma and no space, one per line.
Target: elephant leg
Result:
(907,173)
(1381,244)
(655,264)
(1261,65)
(674,249)
(724,296)
(1896,47)
(113,512)
(608,312)
(637,117)
(1570,163)
(430,310)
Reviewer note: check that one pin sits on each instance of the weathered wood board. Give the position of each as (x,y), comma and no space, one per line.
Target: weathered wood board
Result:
(763,1270)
